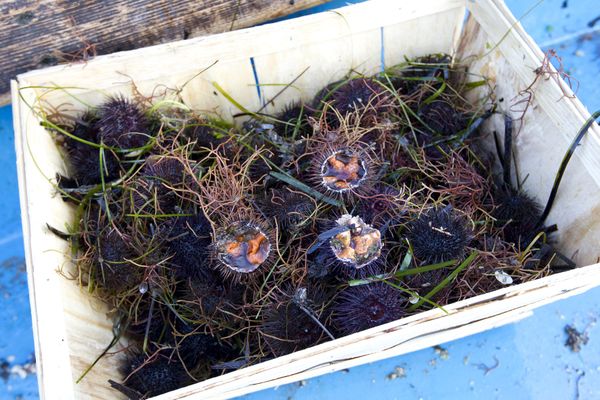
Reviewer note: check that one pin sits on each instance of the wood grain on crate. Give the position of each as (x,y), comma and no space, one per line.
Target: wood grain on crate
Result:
(37,34)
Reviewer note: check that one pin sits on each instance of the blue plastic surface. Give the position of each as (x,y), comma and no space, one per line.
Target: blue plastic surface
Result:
(526,360)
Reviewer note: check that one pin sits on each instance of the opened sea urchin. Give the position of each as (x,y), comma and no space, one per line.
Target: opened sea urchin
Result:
(343,170)
(242,247)
(358,245)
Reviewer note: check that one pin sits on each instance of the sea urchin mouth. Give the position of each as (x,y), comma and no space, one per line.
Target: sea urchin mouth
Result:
(359,245)
(343,170)
(243,247)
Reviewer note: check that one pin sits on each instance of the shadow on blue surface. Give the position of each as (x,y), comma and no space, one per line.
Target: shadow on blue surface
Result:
(527,360)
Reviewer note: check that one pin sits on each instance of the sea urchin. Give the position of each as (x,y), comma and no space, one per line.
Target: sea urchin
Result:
(438,234)
(122,124)
(363,307)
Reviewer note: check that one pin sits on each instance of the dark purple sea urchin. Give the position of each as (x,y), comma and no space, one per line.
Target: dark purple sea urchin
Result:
(292,120)
(155,189)
(288,208)
(122,124)
(438,234)
(188,240)
(363,307)
(85,159)
(287,327)
(442,118)
(518,215)
(112,270)
(156,376)
(355,95)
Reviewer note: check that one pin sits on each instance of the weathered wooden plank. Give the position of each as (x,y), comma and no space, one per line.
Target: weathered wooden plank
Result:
(39,33)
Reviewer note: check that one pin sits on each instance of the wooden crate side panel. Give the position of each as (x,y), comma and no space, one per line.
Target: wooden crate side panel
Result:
(52,350)
(17,121)
(71,328)
(549,126)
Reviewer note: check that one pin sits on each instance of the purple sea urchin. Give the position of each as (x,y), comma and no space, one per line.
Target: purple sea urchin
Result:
(438,234)
(85,159)
(366,306)
(208,293)
(159,178)
(287,327)
(167,170)
(121,124)
(188,240)
(355,95)
(442,118)
(381,206)
(290,209)
(292,121)
(518,214)
(112,270)
(194,346)
(151,377)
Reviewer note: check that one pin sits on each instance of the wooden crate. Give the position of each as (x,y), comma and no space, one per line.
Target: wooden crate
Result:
(70,329)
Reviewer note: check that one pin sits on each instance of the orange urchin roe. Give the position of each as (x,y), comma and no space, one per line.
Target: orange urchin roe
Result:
(342,171)
(364,243)
(359,245)
(255,253)
(250,248)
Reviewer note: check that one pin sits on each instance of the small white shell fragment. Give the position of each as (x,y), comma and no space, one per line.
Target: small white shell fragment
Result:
(503,277)
(413,300)
(144,287)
